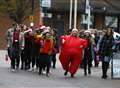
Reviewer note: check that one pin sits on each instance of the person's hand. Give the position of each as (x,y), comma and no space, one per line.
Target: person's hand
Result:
(8,46)
(81,46)
(22,47)
(41,50)
(63,41)
(50,52)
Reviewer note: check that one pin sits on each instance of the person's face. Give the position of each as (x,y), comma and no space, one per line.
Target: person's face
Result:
(48,35)
(109,32)
(87,34)
(74,33)
(18,28)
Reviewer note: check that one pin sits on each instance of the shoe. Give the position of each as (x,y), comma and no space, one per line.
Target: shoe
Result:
(89,72)
(44,72)
(13,70)
(104,77)
(85,74)
(54,67)
(17,68)
(31,69)
(40,73)
(72,76)
(21,68)
(65,74)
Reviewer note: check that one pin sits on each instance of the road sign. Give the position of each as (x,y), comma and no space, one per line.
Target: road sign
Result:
(116,66)
(46,3)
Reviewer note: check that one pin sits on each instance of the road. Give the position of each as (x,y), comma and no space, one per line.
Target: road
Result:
(25,79)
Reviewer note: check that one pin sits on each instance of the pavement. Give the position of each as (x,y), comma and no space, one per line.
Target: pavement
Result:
(25,79)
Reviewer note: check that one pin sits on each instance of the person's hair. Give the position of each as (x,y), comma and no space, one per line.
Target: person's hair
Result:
(111,32)
(13,24)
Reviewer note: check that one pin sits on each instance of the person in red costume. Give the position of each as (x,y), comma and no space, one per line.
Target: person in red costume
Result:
(71,52)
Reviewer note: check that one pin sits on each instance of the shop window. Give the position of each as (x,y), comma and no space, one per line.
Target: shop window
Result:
(111,21)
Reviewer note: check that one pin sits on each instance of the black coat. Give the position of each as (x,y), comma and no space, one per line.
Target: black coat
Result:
(106,45)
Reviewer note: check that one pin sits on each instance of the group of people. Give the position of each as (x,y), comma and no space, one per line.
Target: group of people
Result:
(33,47)
(39,46)
(81,48)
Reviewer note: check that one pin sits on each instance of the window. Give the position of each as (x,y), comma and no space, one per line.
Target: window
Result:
(111,21)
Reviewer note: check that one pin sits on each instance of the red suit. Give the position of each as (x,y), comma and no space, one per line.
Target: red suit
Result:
(71,52)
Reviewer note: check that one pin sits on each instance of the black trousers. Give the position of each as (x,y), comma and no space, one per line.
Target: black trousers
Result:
(44,62)
(87,64)
(53,60)
(27,58)
(15,60)
(35,59)
(105,66)
(22,59)
(9,50)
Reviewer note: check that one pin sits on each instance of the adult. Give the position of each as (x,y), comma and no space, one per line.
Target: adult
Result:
(71,52)
(105,50)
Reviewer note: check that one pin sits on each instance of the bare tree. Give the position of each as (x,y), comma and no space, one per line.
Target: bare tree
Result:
(17,10)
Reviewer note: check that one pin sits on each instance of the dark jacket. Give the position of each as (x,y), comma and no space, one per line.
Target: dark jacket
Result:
(106,45)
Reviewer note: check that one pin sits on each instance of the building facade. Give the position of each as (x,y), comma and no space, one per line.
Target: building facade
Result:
(103,13)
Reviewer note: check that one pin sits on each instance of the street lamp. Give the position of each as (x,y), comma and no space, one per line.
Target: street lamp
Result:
(32,13)
(70,19)
(32,7)
(75,14)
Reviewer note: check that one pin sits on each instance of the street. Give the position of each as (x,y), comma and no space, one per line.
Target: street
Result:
(25,79)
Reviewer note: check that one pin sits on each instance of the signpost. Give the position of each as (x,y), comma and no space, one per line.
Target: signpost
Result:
(115,73)
(46,3)
(44,6)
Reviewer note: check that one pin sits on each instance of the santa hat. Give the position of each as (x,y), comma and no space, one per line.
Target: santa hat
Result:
(87,31)
(42,27)
(46,31)
(75,29)
(48,27)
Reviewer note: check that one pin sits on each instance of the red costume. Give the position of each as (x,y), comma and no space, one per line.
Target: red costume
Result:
(71,52)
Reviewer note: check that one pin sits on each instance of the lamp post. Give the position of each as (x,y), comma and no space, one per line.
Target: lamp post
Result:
(32,14)
(32,7)
(70,17)
(75,14)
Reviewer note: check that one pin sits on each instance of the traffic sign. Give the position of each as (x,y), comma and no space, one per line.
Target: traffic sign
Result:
(46,3)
